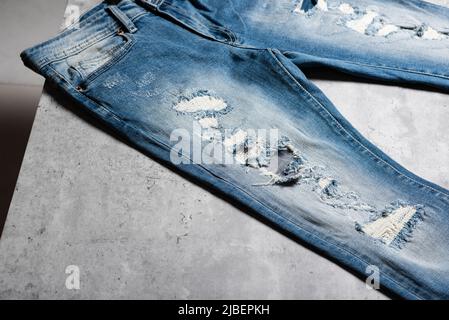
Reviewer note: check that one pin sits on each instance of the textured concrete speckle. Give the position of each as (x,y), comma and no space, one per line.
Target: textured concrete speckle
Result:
(137,230)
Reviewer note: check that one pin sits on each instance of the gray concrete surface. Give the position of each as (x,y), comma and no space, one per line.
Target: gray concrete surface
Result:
(137,230)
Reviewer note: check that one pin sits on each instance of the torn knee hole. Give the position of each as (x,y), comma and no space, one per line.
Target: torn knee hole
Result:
(394,225)
(367,21)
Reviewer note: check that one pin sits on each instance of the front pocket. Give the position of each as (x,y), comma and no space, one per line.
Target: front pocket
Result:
(100,56)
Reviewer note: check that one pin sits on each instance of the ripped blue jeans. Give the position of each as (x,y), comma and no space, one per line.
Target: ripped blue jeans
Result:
(215,90)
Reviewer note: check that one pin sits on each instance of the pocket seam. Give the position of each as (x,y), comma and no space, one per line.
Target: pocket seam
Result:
(119,55)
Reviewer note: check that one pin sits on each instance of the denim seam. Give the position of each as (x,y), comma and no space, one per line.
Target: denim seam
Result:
(179,10)
(443,76)
(120,54)
(438,192)
(295,224)
(88,80)
(68,84)
(106,53)
(399,69)
(195,30)
(62,77)
(211,25)
(139,15)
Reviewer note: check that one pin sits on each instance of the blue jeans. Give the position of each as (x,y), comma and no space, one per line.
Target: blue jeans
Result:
(215,90)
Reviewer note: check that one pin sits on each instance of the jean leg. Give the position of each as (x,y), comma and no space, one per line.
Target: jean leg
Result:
(402,41)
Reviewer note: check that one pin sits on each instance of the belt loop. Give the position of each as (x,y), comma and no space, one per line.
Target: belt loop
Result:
(123,18)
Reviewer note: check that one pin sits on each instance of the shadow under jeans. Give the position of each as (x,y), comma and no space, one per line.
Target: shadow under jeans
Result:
(18,105)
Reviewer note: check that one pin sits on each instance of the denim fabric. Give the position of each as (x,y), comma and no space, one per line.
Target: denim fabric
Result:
(215,90)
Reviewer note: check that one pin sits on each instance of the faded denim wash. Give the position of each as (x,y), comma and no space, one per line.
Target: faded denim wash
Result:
(217,69)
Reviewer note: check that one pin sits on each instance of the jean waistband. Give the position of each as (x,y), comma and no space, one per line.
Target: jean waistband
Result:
(102,20)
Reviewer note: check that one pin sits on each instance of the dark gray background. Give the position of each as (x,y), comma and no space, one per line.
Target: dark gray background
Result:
(22,24)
